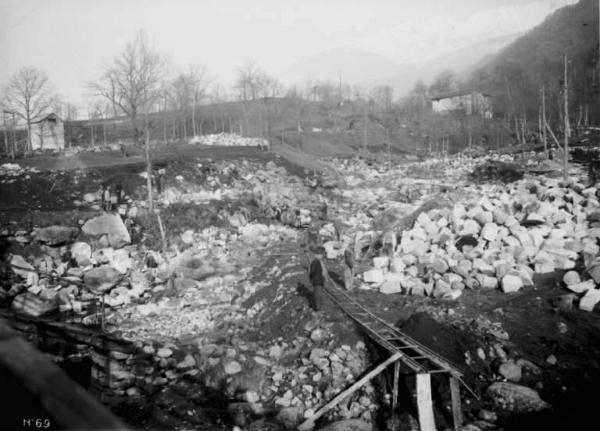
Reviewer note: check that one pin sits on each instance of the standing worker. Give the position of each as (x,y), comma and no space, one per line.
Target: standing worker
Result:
(316,271)
(106,198)
(159,180)
(317,280)
(349,268)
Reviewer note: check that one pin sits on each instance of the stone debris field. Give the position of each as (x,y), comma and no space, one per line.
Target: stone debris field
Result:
(211,304)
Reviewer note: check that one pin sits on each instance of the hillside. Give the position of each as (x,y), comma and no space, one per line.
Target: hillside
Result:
(296,128)
(536,59)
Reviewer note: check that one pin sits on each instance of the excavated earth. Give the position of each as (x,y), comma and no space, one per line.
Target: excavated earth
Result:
(222,332)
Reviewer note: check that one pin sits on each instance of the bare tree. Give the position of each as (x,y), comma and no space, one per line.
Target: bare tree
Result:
(133,83)
(189,89)
(249,81)
(28,95)
(65,110)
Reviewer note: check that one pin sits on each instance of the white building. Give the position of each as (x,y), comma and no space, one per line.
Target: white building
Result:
(466,102)
(48,133)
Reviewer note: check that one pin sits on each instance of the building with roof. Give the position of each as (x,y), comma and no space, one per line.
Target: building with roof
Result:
(464,102)
(48,133)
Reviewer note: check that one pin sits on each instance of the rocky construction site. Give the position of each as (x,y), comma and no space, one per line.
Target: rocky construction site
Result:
(201,314)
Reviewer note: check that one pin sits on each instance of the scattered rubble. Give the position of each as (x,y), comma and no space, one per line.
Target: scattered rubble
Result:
(184,307)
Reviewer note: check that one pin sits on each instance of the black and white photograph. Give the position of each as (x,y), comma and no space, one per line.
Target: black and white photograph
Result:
(300,215)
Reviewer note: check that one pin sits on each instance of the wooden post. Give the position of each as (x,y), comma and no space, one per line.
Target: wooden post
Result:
(425,403)
(455,399)
(395,387)
(310,422)
(162,232)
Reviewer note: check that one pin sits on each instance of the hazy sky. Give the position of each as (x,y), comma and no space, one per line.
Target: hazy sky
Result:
(72,39)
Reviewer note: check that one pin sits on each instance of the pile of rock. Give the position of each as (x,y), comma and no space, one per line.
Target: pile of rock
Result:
(139,370)
(264,381)
(496,240)
(228,140)
(10,171)
(85,269)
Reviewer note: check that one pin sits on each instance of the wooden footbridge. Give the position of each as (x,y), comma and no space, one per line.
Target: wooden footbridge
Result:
(405,354)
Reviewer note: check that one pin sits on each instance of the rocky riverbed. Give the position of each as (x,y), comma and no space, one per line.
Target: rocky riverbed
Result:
(217,321)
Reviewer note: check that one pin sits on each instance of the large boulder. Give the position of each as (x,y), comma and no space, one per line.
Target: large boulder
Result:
(55,235)
(515,398)
(108,224)
(589,300)
(101,279)
(511,283)
(81,252)
(121,261)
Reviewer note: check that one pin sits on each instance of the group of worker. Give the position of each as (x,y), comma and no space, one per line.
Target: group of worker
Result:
(110,200)
(317,272)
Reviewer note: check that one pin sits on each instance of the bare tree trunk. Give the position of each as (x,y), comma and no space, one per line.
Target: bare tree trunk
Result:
(104,133)
(29,142)
(194,118)
(540,126)
(561,120)
(517,129)
(544,137)
(148,163)
(567,133)
(14,136)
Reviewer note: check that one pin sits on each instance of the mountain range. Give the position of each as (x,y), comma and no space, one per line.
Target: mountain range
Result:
(368,69)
